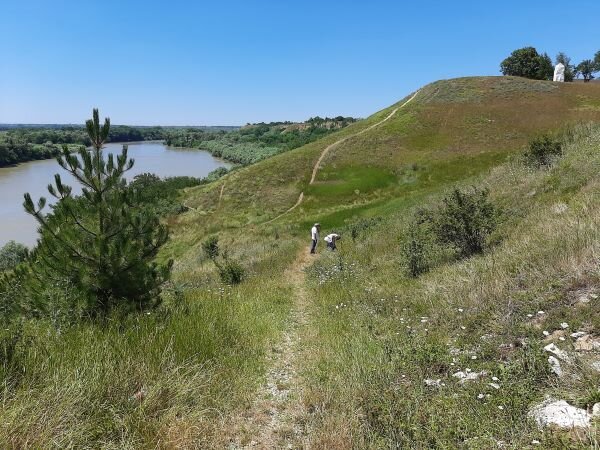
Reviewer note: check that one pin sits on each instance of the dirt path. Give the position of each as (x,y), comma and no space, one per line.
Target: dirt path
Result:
(221,194)
(330,147)
(273,421)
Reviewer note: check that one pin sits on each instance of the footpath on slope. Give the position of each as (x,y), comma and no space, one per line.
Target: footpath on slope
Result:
(274,419)
(330,147)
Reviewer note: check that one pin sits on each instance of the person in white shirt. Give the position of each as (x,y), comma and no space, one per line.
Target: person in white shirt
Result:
(331,239)
(314,234)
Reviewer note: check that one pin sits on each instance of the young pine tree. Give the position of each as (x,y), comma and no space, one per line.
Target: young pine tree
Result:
(101,244)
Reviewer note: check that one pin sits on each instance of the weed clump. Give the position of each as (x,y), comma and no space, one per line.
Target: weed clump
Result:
(210,247)
(230,271)
(360,226)
(542,151)
(414,250)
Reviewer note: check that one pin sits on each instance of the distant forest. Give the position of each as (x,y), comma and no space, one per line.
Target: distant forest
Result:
(245,145)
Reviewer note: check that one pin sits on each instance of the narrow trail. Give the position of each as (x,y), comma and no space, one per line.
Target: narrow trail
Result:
(221,195)
(274,419)
(330,147)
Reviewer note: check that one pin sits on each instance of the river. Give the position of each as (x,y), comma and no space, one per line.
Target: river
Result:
(34,177)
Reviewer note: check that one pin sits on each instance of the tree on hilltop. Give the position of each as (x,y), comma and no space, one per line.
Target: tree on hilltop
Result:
(586,69)
(527,62)
(102,244)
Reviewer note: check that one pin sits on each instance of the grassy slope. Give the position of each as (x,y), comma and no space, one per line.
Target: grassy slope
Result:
(373,350)
(453,129)
(200,360)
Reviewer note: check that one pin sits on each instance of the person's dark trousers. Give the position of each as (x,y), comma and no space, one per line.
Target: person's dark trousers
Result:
(331,246)
(313,246)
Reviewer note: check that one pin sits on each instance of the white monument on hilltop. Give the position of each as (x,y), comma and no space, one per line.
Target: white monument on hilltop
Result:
(559,73)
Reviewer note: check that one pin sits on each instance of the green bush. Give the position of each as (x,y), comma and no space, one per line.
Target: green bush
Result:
(210,247)
(465,221)
(542,151)
(12,254)
(230,271)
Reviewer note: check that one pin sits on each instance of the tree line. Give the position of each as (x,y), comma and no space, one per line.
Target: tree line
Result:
(247,145)
(255,142)
(527,62)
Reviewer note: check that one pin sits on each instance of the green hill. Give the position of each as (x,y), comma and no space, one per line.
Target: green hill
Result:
(345,349)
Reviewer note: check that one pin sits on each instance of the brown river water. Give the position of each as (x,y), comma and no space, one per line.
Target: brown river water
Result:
(34,177)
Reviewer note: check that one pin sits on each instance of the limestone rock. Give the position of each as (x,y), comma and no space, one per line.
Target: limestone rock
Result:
(555,366)
(587,343)
(433,383)
(464,377)
(560,414)
(560,354)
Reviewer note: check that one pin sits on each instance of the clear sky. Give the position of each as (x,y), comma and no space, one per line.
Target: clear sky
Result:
(232,62)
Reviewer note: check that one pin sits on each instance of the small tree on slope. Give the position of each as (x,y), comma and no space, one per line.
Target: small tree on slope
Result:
(101,244)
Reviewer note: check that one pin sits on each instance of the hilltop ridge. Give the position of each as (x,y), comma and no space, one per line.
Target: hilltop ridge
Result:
(484,119)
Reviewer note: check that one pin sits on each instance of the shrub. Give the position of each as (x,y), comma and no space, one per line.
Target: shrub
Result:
(465,221)
(414,251)
(362,225)
(542,151)
(12,254)
(210,247)
(230,271)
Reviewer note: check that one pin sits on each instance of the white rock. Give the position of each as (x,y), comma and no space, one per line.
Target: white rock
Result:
(564,325)
(587,343)
(559,413)
(578,334)
(466,376)
(596,410)
(546,333)
(595,365)
(560,354)
(495,385)
(535,442)
(433,383)
(555,366)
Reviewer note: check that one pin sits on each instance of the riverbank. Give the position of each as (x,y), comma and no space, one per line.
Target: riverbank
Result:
(33,177)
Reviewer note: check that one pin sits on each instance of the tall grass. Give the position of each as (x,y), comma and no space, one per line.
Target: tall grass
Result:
(165,379)
(381,334)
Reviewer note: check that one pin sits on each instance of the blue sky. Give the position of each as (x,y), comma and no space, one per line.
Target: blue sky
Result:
(233,62)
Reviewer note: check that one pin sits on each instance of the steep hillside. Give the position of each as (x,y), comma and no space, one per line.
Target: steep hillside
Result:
(462,126)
